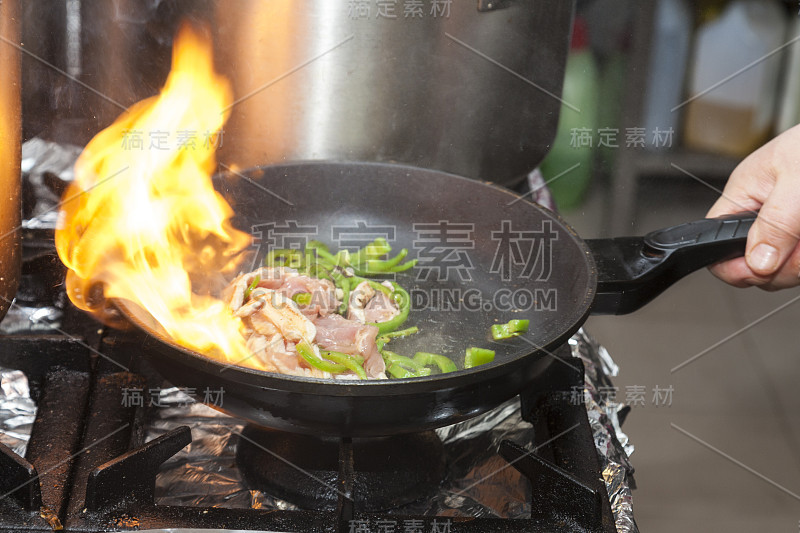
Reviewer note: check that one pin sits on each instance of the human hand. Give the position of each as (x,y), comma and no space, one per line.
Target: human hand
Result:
(768,181)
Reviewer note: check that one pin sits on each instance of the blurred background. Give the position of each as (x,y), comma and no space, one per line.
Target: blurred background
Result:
(720,78)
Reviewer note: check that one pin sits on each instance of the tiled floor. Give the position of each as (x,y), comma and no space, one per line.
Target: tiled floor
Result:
(725,455)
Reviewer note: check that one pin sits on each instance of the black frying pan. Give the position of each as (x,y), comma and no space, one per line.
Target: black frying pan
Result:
(601,276)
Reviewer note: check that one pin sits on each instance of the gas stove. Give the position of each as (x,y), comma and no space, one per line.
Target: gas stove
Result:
(115,447)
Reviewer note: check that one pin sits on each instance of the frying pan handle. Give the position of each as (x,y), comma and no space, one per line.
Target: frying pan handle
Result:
(631,271)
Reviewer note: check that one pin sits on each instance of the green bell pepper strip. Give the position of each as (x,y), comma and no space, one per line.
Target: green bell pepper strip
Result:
(393,359)
(445,364)
(326,258)
(320,271)
(341,282)
(477,356)
(379,265)
(405,266)
(252,287)
(285,257)
(341,355)
(307,353)
(352,362)
(373,250)
(512,329)
(400,333)
(398,295)
(355,281)
(365,261)
(381,340)
(403,301)
(372,270)
(317,245)
(302,298)
(397,371)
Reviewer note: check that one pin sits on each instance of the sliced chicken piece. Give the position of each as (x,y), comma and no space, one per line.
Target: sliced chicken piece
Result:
(359,297)
(339,334)
(257,345)
(322,291)
(284,314)
(249,308)
(369,306)
(234,294)
(284,355)
(262,325)
(288,282)
(381,308)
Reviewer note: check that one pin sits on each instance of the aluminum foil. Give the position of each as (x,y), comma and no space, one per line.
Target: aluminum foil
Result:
(47,168)
(17,410)
(479,482)
(24,320)
(538,191)
(613,446)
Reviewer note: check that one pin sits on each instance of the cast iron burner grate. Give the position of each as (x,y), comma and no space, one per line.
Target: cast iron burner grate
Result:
(388,472)
(86,468)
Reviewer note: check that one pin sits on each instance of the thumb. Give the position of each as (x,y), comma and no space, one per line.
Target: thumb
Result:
(776,231)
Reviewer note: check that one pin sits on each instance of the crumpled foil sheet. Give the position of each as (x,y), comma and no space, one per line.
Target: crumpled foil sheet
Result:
(613,446)
(24,320)
(47,168)
(538,191)
(479,482)
(17,410)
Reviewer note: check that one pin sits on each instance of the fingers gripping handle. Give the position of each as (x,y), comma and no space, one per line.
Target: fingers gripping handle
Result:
(632,271)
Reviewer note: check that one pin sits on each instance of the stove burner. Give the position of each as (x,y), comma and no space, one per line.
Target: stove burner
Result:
(389,472)
(112,487)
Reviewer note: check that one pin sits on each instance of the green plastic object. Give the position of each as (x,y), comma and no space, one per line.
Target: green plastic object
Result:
(570,147)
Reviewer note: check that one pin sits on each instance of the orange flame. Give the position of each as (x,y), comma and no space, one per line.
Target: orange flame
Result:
(144,224)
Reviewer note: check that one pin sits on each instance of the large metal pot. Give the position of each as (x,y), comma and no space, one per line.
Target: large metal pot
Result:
(10,132)
(464,86)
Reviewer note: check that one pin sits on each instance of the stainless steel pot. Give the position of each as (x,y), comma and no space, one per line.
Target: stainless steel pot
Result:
(10,132)
(464,86)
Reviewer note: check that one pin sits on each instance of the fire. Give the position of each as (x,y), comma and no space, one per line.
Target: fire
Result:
(145,224)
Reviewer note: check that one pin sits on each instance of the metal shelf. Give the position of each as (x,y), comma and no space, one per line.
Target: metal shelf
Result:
(631,165)
(682,162)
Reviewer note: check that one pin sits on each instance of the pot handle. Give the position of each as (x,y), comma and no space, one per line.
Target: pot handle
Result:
(631,271)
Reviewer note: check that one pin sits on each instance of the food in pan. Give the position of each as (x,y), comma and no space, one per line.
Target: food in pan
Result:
(513,328)
(317,314)
(477,356)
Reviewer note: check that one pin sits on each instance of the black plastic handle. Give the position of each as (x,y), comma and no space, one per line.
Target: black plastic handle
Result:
(631,271)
